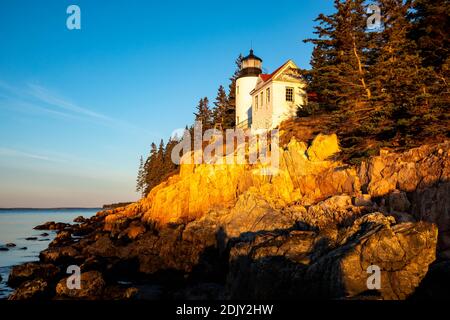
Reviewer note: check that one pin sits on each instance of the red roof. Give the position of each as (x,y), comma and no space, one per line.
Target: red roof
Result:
(267,77)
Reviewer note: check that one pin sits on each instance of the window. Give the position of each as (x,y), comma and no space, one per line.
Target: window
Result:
(268,95)
(237,89)
(256,103)
(289,94)
(262,99)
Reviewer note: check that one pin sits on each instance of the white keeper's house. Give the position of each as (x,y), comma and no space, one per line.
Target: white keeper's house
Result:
(263,101)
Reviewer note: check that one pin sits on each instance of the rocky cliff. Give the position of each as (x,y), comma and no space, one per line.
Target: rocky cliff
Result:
(227,231)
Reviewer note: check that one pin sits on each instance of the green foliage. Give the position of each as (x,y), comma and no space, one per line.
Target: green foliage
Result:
(220,108)
(140,180)
(230,114)
(338,59)
(389,84)
(430,31)
(157,167)
(310,109)
(204,114)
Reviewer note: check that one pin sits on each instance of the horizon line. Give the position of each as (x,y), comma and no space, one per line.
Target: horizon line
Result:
(50,208)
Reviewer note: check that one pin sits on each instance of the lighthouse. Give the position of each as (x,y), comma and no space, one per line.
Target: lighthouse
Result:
(251,68)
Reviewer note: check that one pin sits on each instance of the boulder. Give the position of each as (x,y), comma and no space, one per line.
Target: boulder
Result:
(402,252)
(85,228)
(253,213)
(331,213)
(398,201)
(79,219)
(51,225)
(59,255)
(134,230)
(323,147)
(264,265)
(62,238)
(304,264)
(30,271)
(32,290)
(92,286)
(363,200)
(119,293)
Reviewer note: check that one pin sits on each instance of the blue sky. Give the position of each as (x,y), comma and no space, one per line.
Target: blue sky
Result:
(79,107)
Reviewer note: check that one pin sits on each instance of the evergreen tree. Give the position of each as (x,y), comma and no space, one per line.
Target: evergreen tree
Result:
(140,181)
(430,30)
(430,25)
(169,167)
(220,107)
(399,75)
(204,114)
(150,170)
(339,60)
(230,114)
(158,167)
(149,179)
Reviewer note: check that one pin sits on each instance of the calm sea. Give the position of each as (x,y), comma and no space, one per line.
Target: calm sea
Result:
(17,225)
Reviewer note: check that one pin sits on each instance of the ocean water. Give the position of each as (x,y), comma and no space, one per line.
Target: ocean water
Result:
(17,225)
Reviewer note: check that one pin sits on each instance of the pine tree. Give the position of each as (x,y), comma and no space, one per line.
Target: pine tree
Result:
(430,30)
(230,114)
(339,61)
(140,181)
(399,75)
(158,167)
(430,25)
(204,114)
(150,170)
(169,167)
(220,107)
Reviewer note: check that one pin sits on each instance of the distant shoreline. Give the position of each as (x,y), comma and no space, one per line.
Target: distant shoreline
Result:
(63,208)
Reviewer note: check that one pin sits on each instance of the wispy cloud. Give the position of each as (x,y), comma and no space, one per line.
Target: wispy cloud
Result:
(54,100)
(7,152)
(36,98)
(31,108)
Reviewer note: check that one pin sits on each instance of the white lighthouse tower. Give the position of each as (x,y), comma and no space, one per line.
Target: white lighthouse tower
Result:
(251,68)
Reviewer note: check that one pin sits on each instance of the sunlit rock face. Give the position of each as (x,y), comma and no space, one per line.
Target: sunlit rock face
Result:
(417,182)
(304,173)
(413,185)
(410,186)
